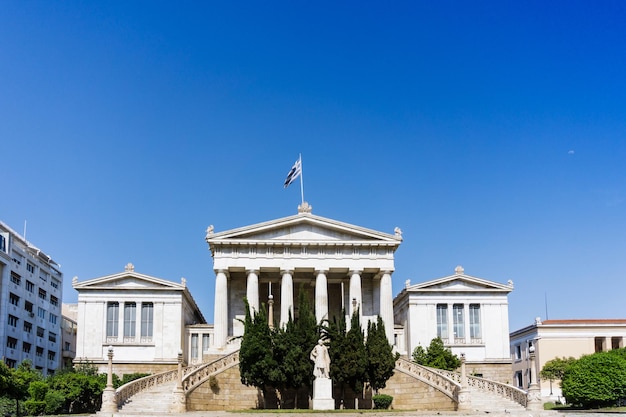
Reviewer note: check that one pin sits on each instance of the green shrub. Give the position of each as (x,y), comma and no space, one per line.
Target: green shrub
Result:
(596,380)
(35,407)
(55,400)
(382,401)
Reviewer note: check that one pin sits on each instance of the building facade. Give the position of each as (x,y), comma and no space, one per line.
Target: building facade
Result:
(142,318)
(31,291)
(469,314)
(69,328)
(560,338)
(338,266)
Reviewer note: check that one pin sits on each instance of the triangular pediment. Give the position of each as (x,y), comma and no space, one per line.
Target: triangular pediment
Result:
(303,227)
(460,282)
(128,280)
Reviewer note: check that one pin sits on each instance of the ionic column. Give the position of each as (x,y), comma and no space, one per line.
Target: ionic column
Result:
(355,293)
(321,297)
(286,297)
(221,309)
(386,304)
(252,291)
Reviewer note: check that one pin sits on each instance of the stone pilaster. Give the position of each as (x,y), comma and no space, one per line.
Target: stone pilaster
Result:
(533,397)
(386,304)
(321,297)
(286,297)
(221,309)
(252,290)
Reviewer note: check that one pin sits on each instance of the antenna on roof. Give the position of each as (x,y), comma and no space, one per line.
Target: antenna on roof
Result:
(24,229)
(545,296)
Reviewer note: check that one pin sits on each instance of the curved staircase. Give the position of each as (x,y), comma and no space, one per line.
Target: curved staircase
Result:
(153,394)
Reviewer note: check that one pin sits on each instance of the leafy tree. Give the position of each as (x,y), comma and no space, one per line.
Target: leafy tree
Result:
(595,380)
(554,369)
(20,380)
(381,361)
(82,392)
(436,356)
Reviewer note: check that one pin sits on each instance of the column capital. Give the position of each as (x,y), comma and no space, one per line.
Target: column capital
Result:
(252,271)
(321,271)
(287,271)
(222,271)
(355,272)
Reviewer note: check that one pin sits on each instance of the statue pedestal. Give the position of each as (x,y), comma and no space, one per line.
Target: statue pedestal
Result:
(323,394)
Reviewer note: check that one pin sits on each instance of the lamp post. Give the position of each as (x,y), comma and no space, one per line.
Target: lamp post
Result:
(533,397)
(270,315)
(464,398)
(109,397)
(179,401)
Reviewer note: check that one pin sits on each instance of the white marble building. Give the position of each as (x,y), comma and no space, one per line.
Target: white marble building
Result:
(338,265)
(142,317)
(470,315)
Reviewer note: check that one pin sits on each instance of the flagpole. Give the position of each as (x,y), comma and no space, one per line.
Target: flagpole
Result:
(301,180)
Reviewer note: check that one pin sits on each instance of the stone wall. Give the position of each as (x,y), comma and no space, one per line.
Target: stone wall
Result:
(143,368)
(500,372)
(228,394)
(410,393)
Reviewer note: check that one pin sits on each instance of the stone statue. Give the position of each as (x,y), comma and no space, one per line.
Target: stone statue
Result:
(319,355)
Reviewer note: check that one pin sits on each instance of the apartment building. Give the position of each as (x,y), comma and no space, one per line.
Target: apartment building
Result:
(31,289)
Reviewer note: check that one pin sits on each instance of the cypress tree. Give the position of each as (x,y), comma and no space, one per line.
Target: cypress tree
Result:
(381,361)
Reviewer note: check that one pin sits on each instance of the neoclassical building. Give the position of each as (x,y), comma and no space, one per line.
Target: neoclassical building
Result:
(142,318)
(339,266)
(470,315)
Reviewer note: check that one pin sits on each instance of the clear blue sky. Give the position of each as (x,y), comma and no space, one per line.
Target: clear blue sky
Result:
(492,132)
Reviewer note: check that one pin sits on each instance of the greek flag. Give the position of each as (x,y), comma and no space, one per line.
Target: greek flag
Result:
(296,171)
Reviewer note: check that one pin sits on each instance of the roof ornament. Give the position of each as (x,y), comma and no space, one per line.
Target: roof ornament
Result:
(304,208)
(397,231)
(459,270)
(129,267)
(209,231)
(75,280)
(407,283)
(183,281)
(510,283)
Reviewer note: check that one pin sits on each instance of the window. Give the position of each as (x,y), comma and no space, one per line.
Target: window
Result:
(112,315)
(130,313)
(52,337)
(41,313)
(42,294)
(518,379)
(51,355)
(14,299)
(194,346)
(442,322)
(12,321)
(54,301)
(28,306)
(28,326)
(67,346)
(3,242)
(26,347)
(459,321)
(39,351)
(147,311)
(52,318)
(599,344)
(616,342)
(205,343)
(11,342)
(474,313)
(43,277)
(30,267)
(16,279)
(40,331)
(518,352)
(54,283)
(30,287)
